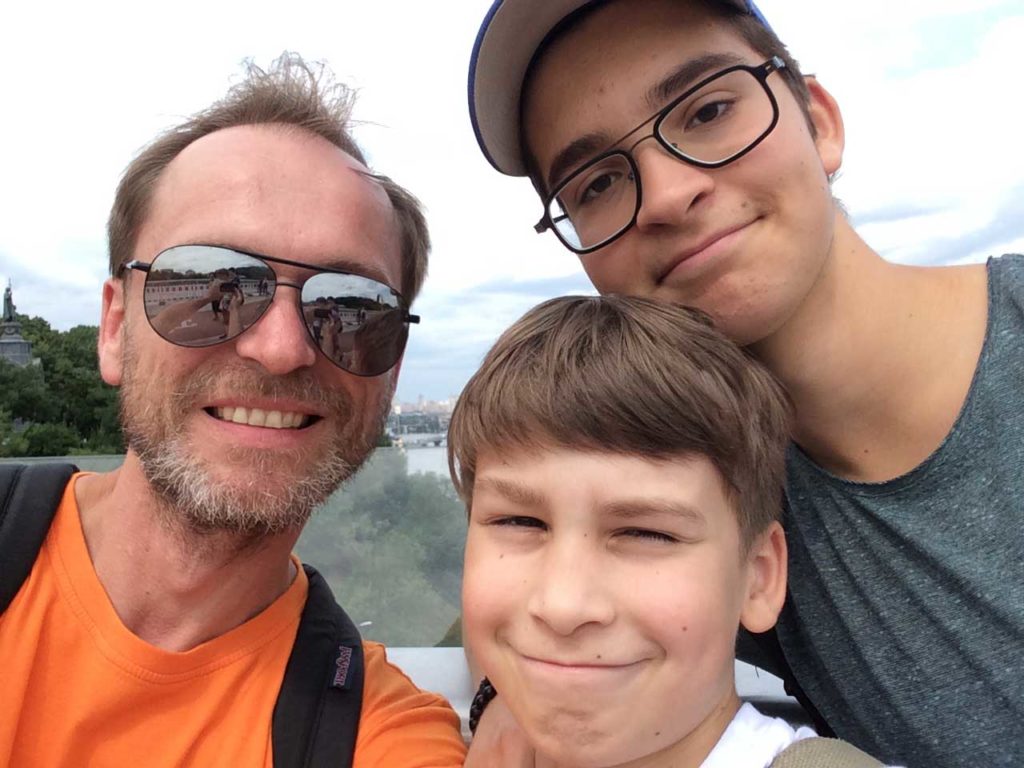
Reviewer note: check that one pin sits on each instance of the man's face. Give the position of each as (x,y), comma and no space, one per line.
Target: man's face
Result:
(601,596)
(744,242)
(285,194)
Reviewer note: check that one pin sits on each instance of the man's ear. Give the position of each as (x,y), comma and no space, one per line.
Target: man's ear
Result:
(830,133)
(110,342)
(766,580)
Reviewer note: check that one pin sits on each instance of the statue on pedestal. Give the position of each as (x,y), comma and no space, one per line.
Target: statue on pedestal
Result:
(8,304)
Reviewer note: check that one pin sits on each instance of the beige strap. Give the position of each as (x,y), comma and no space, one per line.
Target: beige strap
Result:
(819,752)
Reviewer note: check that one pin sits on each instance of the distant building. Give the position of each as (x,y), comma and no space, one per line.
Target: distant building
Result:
(426,418)
(422,405)
(13,347)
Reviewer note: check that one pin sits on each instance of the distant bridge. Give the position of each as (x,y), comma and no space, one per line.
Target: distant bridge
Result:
(423,439)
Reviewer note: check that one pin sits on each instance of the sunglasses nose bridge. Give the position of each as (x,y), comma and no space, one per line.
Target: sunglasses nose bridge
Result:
(279,338)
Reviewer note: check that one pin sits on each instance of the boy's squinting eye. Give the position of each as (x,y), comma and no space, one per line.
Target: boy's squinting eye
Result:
(518,521)
(648,535)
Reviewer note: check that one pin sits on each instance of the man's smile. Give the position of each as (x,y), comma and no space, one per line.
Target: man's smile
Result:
(258,417)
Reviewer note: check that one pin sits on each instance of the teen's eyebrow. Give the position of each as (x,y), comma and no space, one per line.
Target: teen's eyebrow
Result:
(577,150)
(631,509)
(676,81)
(514,492)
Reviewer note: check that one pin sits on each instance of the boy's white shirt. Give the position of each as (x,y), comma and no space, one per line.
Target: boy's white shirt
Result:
(753,740)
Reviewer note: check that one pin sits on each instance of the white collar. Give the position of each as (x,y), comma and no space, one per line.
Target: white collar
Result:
(753,740)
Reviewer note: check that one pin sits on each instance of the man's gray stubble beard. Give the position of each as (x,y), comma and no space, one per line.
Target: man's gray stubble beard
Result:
(195,501)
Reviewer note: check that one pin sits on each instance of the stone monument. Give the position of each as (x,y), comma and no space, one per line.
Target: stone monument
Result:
(13,348)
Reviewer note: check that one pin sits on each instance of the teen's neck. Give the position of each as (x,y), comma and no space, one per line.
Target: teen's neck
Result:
(878,359)
(173,590)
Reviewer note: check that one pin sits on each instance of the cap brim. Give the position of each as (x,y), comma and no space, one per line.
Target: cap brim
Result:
(508,38)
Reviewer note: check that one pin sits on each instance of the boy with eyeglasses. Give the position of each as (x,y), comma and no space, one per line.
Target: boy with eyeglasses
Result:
(680,152)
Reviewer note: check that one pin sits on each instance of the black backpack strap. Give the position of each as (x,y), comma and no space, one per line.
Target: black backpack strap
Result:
(762,649)
(29,497)
(316,717)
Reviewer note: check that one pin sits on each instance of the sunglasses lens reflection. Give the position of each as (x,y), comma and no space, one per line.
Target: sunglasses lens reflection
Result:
(357,322)
(198,296)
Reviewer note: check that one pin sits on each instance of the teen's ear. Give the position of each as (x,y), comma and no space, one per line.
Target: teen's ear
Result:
(110,341)
(830,133)
(766,580)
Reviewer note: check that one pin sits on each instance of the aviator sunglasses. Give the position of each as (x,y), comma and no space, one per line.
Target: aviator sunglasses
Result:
(202,295)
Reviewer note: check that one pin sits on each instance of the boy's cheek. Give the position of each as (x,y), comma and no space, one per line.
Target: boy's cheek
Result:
(486,598)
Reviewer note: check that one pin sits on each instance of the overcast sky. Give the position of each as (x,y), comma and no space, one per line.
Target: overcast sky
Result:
(930,90)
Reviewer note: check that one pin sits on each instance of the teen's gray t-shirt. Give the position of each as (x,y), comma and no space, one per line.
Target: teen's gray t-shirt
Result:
(905,620)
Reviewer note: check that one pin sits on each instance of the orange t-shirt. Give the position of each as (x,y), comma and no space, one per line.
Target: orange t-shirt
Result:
(78,689)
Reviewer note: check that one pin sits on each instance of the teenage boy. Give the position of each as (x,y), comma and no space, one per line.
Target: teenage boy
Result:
(681,153)
(621,461)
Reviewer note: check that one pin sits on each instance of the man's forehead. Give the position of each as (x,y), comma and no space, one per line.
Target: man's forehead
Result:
(255,154)
(274,190)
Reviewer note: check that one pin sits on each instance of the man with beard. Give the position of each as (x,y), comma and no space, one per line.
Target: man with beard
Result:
(157,622)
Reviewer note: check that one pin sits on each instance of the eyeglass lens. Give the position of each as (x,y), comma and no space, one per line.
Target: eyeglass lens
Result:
(198,296)
(721,119)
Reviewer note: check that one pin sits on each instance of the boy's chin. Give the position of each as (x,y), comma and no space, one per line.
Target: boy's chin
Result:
(591,734)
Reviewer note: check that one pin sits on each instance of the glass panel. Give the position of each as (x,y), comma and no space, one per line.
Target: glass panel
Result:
(389,543)
(356,321)
(192,291)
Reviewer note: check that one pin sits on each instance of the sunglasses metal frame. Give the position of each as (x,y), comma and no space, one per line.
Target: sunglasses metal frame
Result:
(760,73)
(144,267)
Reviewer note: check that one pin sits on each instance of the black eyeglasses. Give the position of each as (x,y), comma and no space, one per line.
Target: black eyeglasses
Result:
(714,123)
(202,295)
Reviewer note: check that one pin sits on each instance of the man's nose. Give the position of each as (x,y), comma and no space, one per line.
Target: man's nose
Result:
(279,341)
(569,591)
(670,188)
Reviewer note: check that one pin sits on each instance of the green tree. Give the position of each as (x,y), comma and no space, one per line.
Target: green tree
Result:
(50,440)
(12,442)
(64,400)
(23,392)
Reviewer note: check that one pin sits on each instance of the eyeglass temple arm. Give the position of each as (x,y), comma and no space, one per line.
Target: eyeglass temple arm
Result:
(774,64)
(141,266)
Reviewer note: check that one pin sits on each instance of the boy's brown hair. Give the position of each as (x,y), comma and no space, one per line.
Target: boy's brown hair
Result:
(632,376)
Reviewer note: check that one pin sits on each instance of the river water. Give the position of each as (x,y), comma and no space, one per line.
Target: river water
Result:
(431,459)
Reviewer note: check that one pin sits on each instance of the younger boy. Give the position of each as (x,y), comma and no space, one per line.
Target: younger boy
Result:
(622,463)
